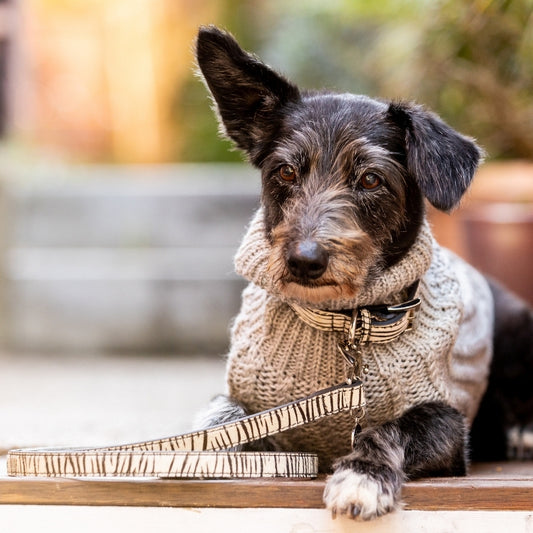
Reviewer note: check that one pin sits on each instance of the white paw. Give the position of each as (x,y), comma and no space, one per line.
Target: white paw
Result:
(358,495)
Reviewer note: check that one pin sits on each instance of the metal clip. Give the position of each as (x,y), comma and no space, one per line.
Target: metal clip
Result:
(351,351)
(358,415)
(354,357)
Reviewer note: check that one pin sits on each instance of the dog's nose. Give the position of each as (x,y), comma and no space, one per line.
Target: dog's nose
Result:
(307,260)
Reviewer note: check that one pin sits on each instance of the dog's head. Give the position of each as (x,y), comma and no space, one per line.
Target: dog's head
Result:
(344,176)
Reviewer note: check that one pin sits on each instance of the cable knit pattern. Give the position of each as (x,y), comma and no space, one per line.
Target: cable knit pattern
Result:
(275,357)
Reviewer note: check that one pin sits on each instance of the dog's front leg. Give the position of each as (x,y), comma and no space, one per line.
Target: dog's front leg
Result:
(429,439)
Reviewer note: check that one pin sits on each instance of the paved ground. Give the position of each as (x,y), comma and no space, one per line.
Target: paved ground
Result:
(96,400)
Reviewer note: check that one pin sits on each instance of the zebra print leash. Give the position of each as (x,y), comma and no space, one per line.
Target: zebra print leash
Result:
(199,454)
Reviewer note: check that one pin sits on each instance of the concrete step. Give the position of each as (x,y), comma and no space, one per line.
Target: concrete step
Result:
(189,205)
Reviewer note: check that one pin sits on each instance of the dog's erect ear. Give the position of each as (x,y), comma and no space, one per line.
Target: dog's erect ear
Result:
(441,160)
(247,93)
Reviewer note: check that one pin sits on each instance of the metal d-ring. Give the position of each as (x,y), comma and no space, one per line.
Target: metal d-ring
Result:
(353,330)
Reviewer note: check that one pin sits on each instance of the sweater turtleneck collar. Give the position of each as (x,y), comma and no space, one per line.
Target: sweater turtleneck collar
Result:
(252,258)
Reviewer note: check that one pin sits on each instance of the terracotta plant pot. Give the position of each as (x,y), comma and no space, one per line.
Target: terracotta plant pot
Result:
(493,229)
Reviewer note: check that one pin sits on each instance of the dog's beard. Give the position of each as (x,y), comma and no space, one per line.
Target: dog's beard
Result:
(317,294)
(344,278)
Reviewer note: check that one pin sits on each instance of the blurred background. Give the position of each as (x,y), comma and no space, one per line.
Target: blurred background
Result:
(121,208)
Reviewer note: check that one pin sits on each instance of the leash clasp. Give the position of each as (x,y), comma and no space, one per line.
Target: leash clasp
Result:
(351,347)
(351,350)
(358,415)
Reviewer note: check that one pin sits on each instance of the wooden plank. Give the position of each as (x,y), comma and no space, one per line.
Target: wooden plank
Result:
(467,494)
(488,488)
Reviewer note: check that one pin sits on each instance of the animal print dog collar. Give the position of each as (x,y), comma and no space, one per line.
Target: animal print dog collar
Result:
(373,323)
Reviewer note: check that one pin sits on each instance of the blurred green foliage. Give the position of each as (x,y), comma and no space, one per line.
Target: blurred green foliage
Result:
(470,61)
(478,71)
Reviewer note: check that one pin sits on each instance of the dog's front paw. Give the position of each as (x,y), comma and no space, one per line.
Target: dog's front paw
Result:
(363,493)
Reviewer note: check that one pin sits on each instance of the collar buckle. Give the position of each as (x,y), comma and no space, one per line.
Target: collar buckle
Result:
(413,305)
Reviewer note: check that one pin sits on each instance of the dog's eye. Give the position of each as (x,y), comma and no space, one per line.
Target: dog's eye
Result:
(287,173)
(370,181)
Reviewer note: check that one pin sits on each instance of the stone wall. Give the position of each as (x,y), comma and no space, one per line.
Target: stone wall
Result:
(124,258)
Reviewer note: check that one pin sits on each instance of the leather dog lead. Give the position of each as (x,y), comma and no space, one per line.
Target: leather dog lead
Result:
(195,455)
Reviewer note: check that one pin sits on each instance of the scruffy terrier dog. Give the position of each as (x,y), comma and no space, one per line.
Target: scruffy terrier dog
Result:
(342,227)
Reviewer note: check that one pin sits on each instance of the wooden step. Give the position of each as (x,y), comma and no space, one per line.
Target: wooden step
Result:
(497,487)
(492,499)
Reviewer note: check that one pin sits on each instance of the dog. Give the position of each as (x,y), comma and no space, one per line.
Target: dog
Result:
(342,226)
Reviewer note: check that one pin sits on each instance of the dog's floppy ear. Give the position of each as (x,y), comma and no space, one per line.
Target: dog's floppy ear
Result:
(247,93)
(441,160)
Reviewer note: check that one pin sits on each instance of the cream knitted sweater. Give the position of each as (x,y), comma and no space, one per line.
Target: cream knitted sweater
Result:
(275,357)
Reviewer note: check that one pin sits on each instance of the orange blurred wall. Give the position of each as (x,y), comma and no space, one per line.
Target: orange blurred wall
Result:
(97,79)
